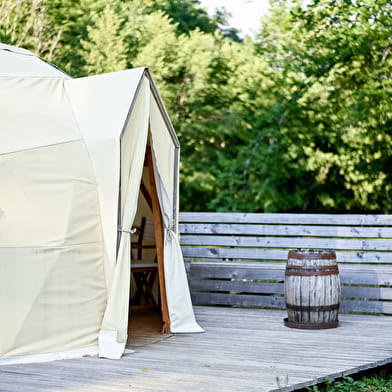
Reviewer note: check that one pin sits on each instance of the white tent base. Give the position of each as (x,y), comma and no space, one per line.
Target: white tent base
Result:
(47,357)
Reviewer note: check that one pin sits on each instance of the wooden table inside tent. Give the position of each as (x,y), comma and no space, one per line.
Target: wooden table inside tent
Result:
(143,273)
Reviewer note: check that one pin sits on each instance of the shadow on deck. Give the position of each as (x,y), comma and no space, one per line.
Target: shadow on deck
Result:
(242,350)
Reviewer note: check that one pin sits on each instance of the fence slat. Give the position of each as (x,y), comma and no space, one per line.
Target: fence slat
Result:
(236,286)
(285,230)
(287,242)
(367,292)
(238,300)
(376,307)
(323,219)
(280,254)
(238,271)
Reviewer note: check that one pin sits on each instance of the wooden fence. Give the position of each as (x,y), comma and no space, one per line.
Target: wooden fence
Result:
(237,259)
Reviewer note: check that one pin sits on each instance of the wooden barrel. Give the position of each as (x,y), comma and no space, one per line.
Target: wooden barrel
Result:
(312,289)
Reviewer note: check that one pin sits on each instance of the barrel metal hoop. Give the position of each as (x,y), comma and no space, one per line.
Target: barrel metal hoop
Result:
(312,256)
(326,325)
(322,308)
(297,270)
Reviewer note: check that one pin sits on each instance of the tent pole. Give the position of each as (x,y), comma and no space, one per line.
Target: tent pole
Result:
(158,228)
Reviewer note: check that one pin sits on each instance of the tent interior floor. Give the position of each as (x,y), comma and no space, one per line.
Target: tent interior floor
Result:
(145,327)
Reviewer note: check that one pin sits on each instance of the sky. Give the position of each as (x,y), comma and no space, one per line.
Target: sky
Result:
(246,13)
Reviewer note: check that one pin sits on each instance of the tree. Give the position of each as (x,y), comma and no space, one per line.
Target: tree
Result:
(105,47)
(222,17)
(73,18)
(187,15)
(24,23)
(324,140)
(194,74)
(299,120)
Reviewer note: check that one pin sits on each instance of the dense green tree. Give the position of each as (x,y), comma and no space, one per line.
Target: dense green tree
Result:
(71,17)
(187,15)
(348,66)
(222,17)
(299,121)
(196,74)
(24,23)
(324,142)
(105,49)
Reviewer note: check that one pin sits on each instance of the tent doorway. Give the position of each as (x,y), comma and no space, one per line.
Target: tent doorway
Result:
(148,315)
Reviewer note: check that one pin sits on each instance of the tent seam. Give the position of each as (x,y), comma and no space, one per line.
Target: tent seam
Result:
(39,147)
(51,247)
(30,77)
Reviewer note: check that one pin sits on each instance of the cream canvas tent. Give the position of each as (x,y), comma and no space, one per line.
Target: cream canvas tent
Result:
(72,162)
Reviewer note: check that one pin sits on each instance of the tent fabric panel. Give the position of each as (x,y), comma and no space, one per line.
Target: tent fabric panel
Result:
(102,102)
(113,335)
(52,288)
(182,318)
(34,112)
(165,153)
(179,301)
(133,148)
(48,198)
(54,301)
(165,116)
(16,49)
(17,61)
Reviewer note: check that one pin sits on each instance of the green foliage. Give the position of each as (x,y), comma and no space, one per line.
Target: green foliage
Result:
(347,67)
(299,119)
(348,384)
(324,141)
(105,45)
(24,23)
(187,15)
(71,17)
(221,18)
(193,72)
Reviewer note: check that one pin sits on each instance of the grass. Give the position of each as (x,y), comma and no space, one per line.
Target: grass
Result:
(373,383)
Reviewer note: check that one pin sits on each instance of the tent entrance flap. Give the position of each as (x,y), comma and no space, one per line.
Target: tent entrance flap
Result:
(147,266)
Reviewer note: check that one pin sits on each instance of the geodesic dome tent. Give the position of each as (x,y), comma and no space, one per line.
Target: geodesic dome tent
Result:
(72,162)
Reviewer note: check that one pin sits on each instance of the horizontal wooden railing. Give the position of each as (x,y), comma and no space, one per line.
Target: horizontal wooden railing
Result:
(239,259)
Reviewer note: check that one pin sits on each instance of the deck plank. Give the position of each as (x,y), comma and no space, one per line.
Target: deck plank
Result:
(241,350)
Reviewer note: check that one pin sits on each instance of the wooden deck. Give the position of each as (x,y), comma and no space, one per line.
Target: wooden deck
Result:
(242,350)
